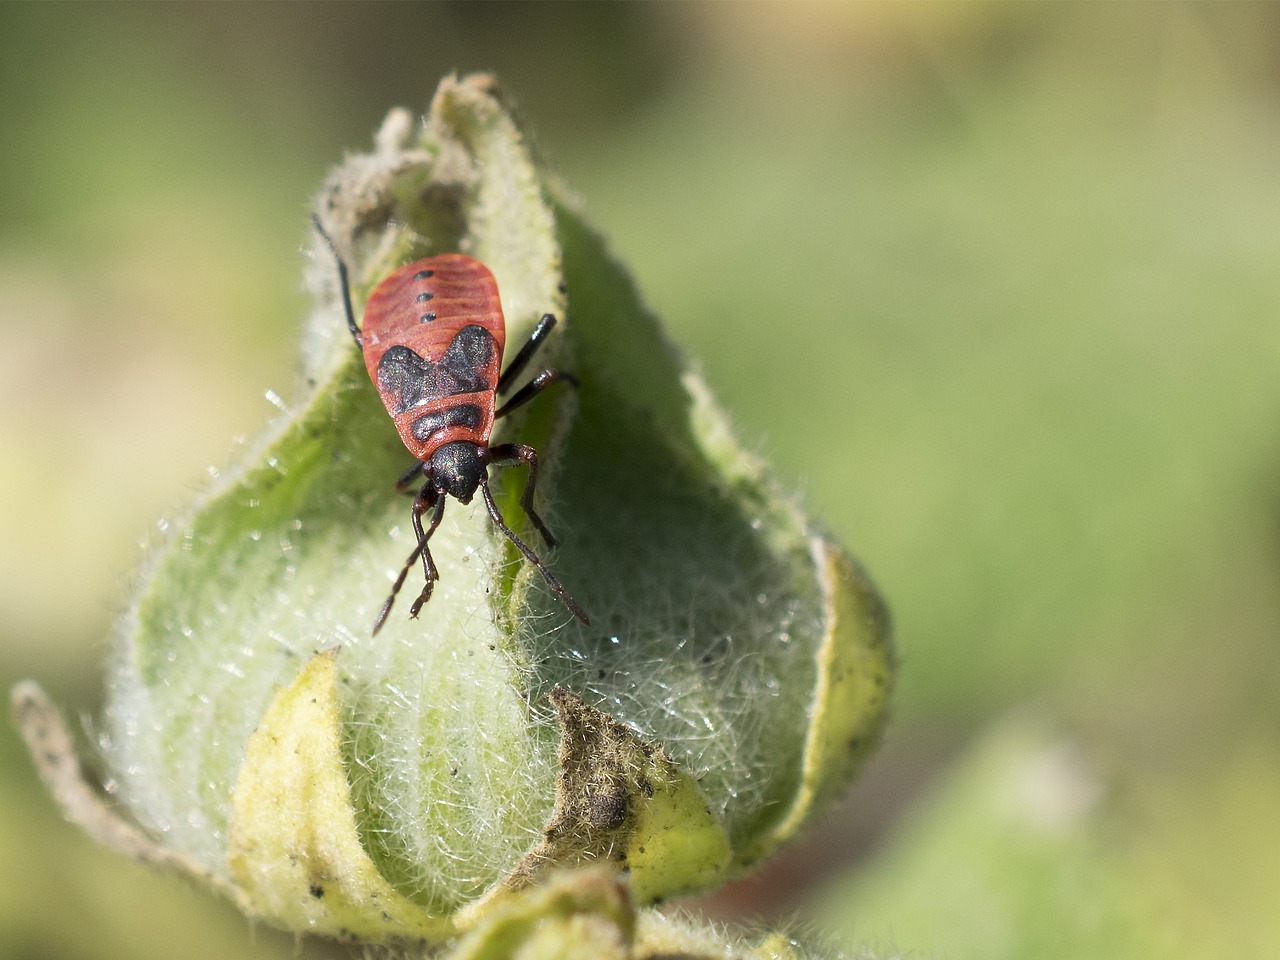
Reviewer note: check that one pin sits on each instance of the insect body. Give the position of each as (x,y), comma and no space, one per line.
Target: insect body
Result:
(432,340)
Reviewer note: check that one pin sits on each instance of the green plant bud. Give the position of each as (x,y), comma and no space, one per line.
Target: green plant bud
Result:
(407,785)
(589,914)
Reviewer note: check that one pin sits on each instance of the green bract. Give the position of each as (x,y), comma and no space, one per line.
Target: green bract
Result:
(734,674)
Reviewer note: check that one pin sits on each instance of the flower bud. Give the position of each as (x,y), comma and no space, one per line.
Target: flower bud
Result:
(404,785)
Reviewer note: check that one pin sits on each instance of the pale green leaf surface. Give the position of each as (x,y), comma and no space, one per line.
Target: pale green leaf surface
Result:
(295,854)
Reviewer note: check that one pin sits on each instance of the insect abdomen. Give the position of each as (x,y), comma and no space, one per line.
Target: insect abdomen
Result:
(433,332)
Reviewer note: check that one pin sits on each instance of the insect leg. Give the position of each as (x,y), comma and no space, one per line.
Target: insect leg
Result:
(395,588)
(518,362)
(426,498)
(533,388)
(406,478)
(511,454)
(429,571)
(342,277)
(529,555)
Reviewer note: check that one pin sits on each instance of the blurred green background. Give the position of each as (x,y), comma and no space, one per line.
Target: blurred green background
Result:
(995,285)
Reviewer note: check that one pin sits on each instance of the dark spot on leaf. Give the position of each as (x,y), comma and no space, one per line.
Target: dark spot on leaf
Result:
(607,810)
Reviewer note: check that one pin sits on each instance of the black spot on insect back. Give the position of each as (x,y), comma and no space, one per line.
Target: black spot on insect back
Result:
(470,352)
(408,380)
(402,376)
(462,415)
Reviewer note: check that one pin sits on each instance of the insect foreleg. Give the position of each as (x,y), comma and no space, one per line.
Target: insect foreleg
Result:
(406,478)
(426,498)
(529,555)
(511,454)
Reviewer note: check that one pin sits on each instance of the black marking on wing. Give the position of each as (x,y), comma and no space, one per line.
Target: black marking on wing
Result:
(406,379)
(462,415)
(471,350)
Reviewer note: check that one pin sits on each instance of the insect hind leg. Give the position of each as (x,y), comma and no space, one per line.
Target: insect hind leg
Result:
(521,359)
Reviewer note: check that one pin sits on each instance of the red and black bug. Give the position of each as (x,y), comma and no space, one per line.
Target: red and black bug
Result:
(432,341)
